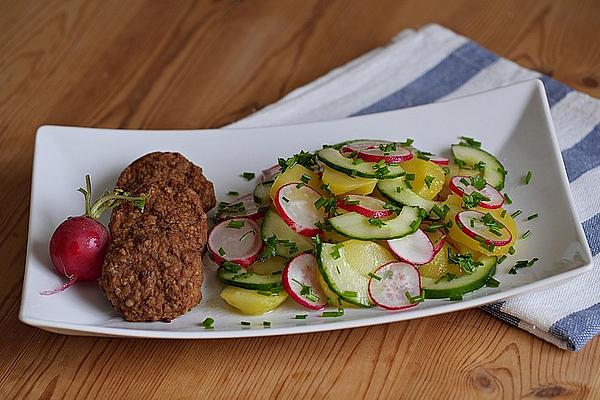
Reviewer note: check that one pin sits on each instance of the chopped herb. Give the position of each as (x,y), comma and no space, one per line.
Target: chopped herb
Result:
(324,226)
(337,268)
(303,158)
(221,251)
(415,224)
(464,181)
(372,275)
(246,323)
(246,234)
(473,200)
(429,180)
(248,175)
(448,277)
(415,299)
(265,293)
(511,250)
(527,178)
(232,193)
(503,214)
(267,324)
(333,314)
(387,148)
(467,141)
(507,198)
(376,222)
(478,182)
(491,282)
(522,264)
(472,222)
(423,156)
(392,207)
(526,234)
(349,202)
(440,212)
(277,289)
(208,323)
(235,224)
(464,261)
(336,251)
(350,293)
(285,199)
(408,143)
(357,160)
(479,166)
(300,185)
(381,169)
(231,267)
(326,189)
(446,170)
(410,177)
(501,259)
(231,209)
(533,216)
(301,316)
(515,214)
(399,189)
(460,163)
(305,178)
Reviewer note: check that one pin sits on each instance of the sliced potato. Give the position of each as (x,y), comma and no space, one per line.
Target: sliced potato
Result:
(340,183)
(250,301)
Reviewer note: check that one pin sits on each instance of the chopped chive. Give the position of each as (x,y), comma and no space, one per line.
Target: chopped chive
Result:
(299,185)
(472,222)
(501,259)
(533,216)
(399,189)
(495,231)
(376,222)
(265,292)
(246,323)
(221,251)
(526,234)
(232,193)
(246,234)
(331,314)
(208,323)
(527,178)
(410,177)
(467,141)
(350,293)
(515,214)
(491,282)
(235,225)
(305,178)
(311,297)
(248,175)
(503,214)
(301,316)
(336,251)
(511,250)
(285,199)
(429,180)
(372,275)
(267,324)
(337,268)
(464,181)
(507,198)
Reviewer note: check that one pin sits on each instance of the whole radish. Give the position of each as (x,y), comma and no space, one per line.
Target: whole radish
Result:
(78,245)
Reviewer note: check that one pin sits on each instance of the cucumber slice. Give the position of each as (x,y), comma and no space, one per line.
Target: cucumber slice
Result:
(335,160)
(261,193)
(354,225)
(463,284)
(403,196)
(249,280)
(270,266)
(493,171)
(274,225)
(350,282)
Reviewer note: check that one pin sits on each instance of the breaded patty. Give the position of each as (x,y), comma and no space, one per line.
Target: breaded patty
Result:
(151,278)
(170,207)
(159,166)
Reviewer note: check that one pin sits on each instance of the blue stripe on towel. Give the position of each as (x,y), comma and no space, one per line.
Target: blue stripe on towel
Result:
(443,79)
(555,91)
(591,228)
(496,310)
(584,156)
(578,328)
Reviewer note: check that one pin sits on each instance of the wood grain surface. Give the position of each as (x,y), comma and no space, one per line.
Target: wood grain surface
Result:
(200,64)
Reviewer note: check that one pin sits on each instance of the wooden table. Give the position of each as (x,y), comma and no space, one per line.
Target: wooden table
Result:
(159,64)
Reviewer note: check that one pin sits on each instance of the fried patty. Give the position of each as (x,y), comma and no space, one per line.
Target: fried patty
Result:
(159,166)
(153,267)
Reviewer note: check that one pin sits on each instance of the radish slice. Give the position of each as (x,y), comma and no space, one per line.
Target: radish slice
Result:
(236,240)
(270,174)
(460,188)
(359,145)
(368,206)
(437,238)
(301,282)
(242,207)
(396,279)
(393,156)
(439,160)
(415,248)
(296,206)
(473,224)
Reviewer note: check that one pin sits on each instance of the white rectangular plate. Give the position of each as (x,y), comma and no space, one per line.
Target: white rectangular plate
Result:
(512,122)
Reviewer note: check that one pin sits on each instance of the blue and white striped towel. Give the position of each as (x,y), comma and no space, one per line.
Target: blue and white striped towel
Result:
(435,64)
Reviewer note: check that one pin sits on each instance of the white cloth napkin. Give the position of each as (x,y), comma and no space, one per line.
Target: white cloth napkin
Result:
(435,64)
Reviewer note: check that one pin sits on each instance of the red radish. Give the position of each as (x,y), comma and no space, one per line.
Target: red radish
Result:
(235,240)
(458,186)
(393,283)
(296,205)
(368,206)
(439,160)
(437,238)
(359,145)
(415,248)
(396,154)
(242,207)
(300,281)
(270,173)
(78,245)
(480,226)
